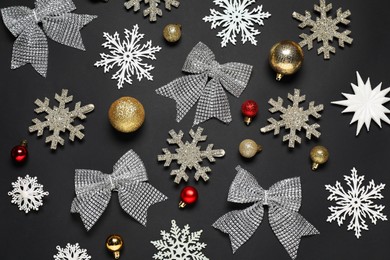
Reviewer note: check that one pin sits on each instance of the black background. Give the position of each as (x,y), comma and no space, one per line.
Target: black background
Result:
(35,235)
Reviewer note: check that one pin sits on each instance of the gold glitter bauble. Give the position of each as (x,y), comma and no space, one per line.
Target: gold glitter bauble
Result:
(172,32)
(319,155)
(249,148)
(126,114)
(285,58)
(114,243)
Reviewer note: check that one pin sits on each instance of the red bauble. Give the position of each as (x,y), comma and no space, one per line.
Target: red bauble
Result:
(249,110)
(188,195)
(19,153)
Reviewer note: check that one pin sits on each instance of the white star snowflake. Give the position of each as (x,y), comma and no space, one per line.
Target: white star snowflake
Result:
(366,103)
(71,252)
(356,202)
(179,244)
(27,193)
(128,56)
(236,19)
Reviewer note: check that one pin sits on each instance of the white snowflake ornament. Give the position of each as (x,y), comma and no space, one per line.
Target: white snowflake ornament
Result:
(128,56)
(71,252)
(153,10)
(179,244)
(366,104)
(357,202)
(235,19)
(27,193)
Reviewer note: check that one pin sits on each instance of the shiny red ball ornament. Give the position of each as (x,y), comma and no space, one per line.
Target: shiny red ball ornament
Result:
(188,195)
(249,110)
(19,153)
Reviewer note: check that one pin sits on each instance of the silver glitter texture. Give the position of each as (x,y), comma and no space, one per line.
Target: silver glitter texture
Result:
(152,11)
(189,155)
(94,188)
(59,119)
(57,23)
(210,94)
(283,200)
(293,118)
(324,28)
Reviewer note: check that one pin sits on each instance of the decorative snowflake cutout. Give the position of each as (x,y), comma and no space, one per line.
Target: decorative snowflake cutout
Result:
(236,19)
(71,252)
(189,155)
(356,202)
(293,118)
(153,9)
(366,103)
(128,56)
(59,119)
(27,193)
(179,244)
(324,28)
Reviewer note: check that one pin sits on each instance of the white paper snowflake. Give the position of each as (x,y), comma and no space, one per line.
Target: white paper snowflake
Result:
(27,193)
(153,9)
(179,244)
(71,252)
(356,202)
(324,28)
(293,118)
(59,119)
(235,19)
(128,56)
(366,104)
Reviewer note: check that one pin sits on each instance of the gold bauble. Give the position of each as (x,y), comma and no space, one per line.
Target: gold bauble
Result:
(319,155)
(114,243)
(285,58)
(126,114)
(249,148)
(172,32)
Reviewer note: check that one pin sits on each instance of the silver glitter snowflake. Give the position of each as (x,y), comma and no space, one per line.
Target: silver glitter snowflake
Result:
(189,155)
(293,118)
(71,252)
(152,11)
(235,19)
(27,193)
(356,202)
(324,28)
(59,119)
(128,56)
(179,244)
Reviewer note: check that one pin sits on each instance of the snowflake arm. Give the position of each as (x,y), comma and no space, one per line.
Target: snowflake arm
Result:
(152,10)
(71,252)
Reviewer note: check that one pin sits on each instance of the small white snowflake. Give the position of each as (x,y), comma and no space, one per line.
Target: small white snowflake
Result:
(356,202)
(179,244)
(128,56)
(27,193)
(71,252)
(236,18)
(366,103)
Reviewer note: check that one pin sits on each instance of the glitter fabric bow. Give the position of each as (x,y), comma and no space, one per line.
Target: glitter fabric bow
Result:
(283,200)
(57,23)
(93,190)
(213,101)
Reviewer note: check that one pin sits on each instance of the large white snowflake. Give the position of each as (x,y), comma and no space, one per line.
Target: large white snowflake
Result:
(71,252)
(27,193)
(293,118)
(179,244)
(356,202)
(236,18)
(366,103)
(128,56)
(153,10)
(324,28)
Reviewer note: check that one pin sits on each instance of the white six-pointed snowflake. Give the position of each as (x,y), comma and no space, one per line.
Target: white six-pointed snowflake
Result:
(357,202)
(128,56)
(153,10)
(366,104)
(27,193)
(71,252)
(179,244)
(235,19)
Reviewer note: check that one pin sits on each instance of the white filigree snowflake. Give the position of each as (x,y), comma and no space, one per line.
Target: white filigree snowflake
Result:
(27,193)
(235,19)
(179,244)
(59,119)
(366,104)
(71,252)
(153,9)
(128,56)
(357,202)
(189,155)
(293,118)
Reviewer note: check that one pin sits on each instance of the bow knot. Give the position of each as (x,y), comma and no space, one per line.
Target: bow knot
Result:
(214,69)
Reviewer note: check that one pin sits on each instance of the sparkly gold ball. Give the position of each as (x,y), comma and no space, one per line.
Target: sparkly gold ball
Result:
(285,58)
(319,155)
(126,114)
(249,148)
(172,32)
(114,243)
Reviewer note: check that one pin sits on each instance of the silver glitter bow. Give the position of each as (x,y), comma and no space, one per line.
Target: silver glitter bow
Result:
(57,23)
(93,190)
(283,200)
(213,101)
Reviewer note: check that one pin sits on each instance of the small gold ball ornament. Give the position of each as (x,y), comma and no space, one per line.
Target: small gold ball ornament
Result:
(172,32)
(114,243)
(249,148)
(285,58)
(126,114)
(319,155)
